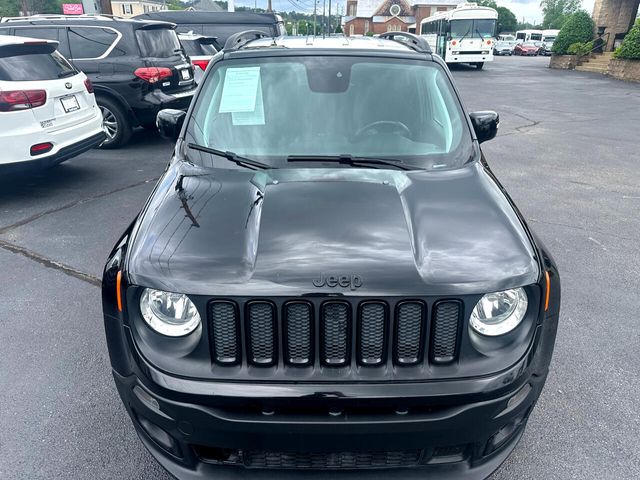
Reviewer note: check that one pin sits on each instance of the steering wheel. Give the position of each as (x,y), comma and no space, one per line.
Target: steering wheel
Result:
(384,126)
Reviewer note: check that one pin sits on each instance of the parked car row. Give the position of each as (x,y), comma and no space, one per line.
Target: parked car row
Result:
(527,48)
(121,73)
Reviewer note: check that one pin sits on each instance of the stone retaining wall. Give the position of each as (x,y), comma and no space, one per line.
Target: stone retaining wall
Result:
(628,70)
(563,62)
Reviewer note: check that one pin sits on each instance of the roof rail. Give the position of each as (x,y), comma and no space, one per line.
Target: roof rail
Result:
(240,39)
(96,16)
(411,40)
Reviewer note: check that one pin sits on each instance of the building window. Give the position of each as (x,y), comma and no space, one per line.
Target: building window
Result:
(366,26)
(351,30)
(126,9)
(352,10)
(395,10)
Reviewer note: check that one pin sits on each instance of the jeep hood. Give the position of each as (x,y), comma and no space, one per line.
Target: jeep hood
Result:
(272,233)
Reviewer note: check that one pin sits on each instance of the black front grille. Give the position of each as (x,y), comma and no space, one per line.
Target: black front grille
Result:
(410,332)
(298,318)
(332,460)
(372,325)
(225,332)
(335,332)
(444,341)
(262,333)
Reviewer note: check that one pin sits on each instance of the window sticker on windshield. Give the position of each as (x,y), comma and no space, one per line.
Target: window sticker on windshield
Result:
(255,117)
(240,90)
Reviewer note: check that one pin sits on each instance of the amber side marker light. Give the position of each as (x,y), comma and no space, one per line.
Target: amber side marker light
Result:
(548,290)
(119,290)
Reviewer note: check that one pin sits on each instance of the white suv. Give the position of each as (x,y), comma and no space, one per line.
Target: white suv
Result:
(48,112)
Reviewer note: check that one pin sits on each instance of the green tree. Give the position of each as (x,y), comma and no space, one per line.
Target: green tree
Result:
(175,5)
(630,47)
(577,29)
(488,3)
(9,8)
(556,12)
(507,21)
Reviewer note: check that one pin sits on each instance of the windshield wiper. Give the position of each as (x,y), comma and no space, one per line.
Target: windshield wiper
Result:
(347,160)
(68,73)
(237,159)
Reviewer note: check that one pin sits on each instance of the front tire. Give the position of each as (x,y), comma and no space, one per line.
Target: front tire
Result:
(116,124)
(479,65)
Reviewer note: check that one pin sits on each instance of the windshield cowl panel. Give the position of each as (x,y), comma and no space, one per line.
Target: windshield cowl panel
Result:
(270,109)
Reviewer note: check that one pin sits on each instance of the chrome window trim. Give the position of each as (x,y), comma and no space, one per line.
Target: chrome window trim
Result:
(104,55)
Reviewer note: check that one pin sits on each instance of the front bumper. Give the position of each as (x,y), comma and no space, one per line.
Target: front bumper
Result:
(468,58)
(461,428)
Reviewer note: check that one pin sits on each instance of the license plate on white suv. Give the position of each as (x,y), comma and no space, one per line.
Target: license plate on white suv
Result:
(70,103)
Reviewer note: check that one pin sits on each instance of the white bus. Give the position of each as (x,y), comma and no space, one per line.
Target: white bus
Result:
(523,36)
(549,36)
(463,35)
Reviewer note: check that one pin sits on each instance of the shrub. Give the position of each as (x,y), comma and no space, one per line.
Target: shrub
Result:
(580,48)
(577,29)
(630,47)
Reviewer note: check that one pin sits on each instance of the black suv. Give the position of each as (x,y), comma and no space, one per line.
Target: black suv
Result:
(220,24)
(137,67)
(328,275)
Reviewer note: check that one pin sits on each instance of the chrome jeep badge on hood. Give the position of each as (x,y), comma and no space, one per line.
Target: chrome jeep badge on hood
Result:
(351,281)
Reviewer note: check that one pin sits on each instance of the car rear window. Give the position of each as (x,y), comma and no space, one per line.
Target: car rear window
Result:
(29,64)
(158,42)
(196,47)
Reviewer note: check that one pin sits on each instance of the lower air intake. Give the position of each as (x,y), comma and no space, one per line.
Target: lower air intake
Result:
(333,461)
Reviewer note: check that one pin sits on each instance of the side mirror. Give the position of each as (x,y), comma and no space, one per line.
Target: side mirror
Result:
(169,123)
(485,124)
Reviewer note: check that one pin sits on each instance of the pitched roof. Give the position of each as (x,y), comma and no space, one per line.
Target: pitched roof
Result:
(368,8)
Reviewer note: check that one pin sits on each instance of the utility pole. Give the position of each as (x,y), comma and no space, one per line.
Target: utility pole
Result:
(330,31)
(315,17)
(324,17)
(269,9)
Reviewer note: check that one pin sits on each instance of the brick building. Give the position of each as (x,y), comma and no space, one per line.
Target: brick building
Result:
(379,16)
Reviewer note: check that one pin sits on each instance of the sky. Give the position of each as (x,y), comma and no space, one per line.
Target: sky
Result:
(528,9)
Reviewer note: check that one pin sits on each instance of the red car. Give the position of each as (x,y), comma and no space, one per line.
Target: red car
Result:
(527,49)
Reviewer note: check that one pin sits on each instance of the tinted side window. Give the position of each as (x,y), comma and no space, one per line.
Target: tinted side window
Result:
(90,42)
(34,66)
(45,33)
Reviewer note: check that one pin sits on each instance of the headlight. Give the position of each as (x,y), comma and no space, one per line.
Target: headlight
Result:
(171,314)
(499,313)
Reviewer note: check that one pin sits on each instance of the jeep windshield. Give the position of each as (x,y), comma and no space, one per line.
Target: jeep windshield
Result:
(316,109)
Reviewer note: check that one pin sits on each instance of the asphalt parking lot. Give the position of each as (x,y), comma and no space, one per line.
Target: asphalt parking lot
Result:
(567,152)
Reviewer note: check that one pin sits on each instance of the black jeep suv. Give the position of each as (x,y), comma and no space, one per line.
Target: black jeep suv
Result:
(137,67)
(328,276)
